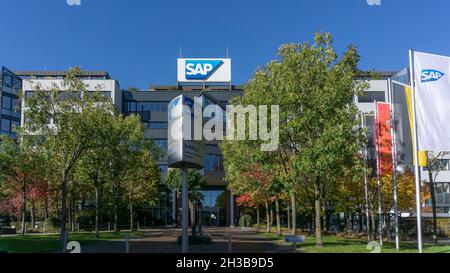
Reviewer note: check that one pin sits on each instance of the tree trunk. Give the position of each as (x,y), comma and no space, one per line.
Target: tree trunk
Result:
(352,219)
(97,212)
(45,208)
(257,216)
(433,205)
(294,214)
(116,217)
(360,222)
(289,215)
(277,212)
(271,216)
(374,224)
(317,205)
(192,213)
(131,217)
(63,206)
(24,208)
(267,217)
(324,217)
(72,212)
(33,215)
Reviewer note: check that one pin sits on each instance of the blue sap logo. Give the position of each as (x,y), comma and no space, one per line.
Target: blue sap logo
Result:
(201,69)
(431,75)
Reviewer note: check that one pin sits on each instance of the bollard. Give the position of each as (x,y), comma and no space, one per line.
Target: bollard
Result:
(230,243)
(127,243)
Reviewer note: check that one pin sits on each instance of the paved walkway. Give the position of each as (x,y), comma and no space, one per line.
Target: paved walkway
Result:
(164,241)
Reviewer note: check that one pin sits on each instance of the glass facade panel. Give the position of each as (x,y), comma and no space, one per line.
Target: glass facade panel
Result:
(10,88)
(6,102)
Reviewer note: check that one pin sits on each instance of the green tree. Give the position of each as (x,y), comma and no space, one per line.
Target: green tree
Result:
(318,137)
(196,182)
(141,185)
(73,111)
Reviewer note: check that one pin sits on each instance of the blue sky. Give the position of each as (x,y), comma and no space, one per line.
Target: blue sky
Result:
(138,41)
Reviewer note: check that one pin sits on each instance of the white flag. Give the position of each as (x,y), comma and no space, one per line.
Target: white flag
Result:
(432,77)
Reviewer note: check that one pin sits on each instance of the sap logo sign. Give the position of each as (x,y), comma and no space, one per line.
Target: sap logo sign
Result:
(431,75)
(201,69)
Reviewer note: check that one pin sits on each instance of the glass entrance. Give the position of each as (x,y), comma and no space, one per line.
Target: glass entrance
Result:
(213,208)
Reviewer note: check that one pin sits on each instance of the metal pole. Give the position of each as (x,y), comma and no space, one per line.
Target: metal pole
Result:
(230,242)
(394,164)
(416,154)
(65,238)
(231,209)
(380,211)
(174,208)
(184,216)
(366,181)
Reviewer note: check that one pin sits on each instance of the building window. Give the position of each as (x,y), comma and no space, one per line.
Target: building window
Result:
(157,125)
(6,125)
(212,199)
(162,144)
(164,169)
(212,163)
(105,94)
(372,96)
(29,94)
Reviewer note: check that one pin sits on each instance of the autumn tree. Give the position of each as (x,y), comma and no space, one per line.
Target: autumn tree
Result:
(20,171)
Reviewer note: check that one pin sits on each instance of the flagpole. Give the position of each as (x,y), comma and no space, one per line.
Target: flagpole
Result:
(416,154)
(394,163)
(366,180)
(380,211)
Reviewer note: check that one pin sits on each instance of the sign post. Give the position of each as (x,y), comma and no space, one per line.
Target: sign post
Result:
(184,151)
(184,220)
(294,239)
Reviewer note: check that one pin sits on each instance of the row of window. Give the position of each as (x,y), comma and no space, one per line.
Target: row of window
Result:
(156,125)
(62,77)
(212,162)
(133,107)
(10,90)
(106,94)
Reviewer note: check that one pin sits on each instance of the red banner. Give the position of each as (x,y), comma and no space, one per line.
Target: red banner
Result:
(383,137)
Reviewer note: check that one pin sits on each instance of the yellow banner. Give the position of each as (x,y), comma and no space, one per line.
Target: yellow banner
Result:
(423,155)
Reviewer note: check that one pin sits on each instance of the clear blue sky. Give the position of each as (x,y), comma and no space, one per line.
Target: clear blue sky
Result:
(138,41)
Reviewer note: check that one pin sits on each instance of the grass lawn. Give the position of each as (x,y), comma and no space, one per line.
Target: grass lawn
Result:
(334,244)
(48,243)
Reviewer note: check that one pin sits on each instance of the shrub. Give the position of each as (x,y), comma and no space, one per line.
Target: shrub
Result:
(246,221)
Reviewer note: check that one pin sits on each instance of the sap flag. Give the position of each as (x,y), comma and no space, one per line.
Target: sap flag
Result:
(432,79)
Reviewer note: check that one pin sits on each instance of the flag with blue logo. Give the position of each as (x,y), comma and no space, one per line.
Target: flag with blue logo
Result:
(432,82)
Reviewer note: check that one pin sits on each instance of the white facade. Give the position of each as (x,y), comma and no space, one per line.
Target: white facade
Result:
(103,85)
